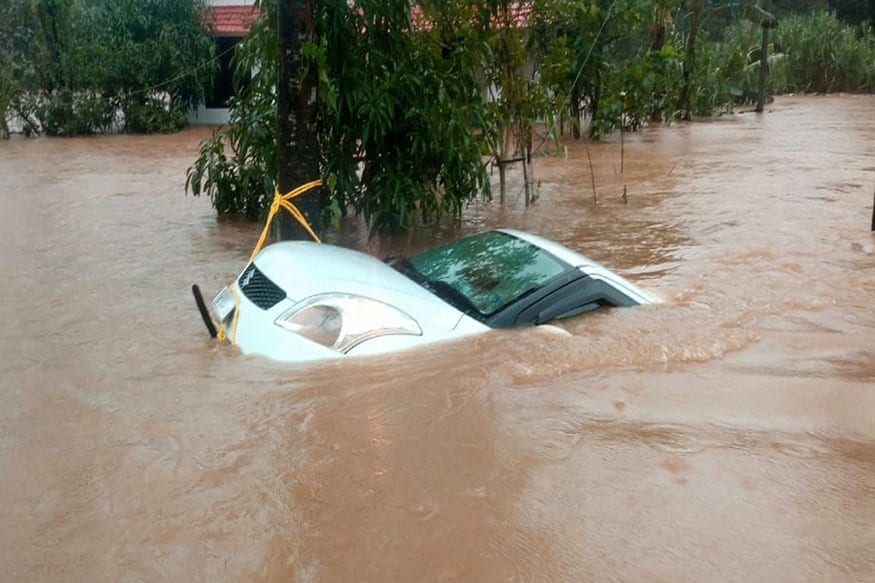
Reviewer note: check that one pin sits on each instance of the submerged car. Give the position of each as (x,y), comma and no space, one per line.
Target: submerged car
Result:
(300,300)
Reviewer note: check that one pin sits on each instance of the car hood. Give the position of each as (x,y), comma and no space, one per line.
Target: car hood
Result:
(304,268)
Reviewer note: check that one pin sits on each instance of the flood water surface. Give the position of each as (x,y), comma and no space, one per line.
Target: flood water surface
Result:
(727,434)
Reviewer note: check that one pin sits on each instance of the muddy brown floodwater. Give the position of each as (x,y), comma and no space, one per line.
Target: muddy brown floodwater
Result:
(725,435)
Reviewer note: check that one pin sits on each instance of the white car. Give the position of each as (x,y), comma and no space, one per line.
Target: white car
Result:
(300,300)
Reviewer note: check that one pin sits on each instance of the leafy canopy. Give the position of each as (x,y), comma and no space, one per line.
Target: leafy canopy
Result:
(85,66)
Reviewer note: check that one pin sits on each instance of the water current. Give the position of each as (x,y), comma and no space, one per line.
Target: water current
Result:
(727,434)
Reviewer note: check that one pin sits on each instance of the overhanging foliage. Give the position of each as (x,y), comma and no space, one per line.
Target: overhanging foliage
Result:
(414,101)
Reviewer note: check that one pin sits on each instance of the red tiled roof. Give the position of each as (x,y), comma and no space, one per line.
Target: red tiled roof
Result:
(231,20)
(236,20)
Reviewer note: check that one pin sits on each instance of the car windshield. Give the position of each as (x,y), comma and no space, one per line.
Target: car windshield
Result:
(485,272)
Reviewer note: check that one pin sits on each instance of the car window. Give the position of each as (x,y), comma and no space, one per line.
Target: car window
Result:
(490,270)
(613,293)
(589,307)
(575,298)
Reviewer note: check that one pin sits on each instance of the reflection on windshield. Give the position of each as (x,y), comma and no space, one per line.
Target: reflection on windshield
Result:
(490,270)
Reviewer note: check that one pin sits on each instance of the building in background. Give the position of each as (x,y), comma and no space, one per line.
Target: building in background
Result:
(228,21)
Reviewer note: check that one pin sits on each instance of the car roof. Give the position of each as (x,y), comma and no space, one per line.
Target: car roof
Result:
(560,251)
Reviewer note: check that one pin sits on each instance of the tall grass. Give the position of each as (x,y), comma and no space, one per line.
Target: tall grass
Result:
(810,53)
(824,54)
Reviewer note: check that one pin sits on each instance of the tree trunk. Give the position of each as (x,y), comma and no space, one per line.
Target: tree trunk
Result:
(764,67)
(574,106)
(4,127)
(873,214)
(694,9)
(502,158)
(298,153)
(594,106)
(657,40)
(524,148)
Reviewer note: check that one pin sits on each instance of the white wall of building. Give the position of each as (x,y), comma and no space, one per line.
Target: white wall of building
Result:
(230,2)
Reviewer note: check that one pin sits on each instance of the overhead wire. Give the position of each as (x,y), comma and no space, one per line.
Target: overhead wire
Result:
(191,71)
(589,53)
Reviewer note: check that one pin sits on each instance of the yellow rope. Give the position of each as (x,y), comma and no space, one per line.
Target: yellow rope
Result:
(221,334)
(233,337)
(283,201)
(279,201)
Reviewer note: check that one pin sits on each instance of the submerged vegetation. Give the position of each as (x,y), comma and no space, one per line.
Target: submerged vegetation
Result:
(417,101)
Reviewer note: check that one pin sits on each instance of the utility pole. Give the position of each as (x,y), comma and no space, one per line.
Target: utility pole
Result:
(298,153)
